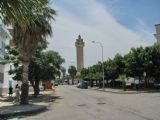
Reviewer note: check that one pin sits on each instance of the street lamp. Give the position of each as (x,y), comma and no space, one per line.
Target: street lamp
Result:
(102,60)
(144,75)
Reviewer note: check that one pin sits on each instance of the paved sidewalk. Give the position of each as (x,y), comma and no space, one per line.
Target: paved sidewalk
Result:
(121,91)
(9,109)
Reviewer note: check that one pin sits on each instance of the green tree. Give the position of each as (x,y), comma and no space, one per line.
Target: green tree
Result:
(123,78)
(35,31)
(54,60)
(152,63)
(38,68)
(44,66)
(72,72)
(63,71)
(20,11)
(119,64)
(30,22)
(35,66)
(84,73)
(12,56)
(134,62)
(111,71)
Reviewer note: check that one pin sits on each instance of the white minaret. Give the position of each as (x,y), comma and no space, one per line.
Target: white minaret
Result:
(157,35)
(80,59)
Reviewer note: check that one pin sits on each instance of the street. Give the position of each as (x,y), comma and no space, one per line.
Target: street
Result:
(85,104)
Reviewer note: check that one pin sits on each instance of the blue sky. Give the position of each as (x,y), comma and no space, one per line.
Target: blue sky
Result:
(118,24)
(128,11)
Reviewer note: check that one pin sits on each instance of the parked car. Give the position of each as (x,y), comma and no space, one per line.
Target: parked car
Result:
(55,84)
(78,85)
(157,85)
(83,85)
(41,88)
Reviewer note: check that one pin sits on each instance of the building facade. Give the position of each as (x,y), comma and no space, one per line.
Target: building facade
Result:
(80,57)
(157,35)
(8,81)
(4,39)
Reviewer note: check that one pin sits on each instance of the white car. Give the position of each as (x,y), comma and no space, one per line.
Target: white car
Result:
(41,88)
(78,85)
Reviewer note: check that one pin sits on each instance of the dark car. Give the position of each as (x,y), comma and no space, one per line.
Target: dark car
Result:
(83,85)
(55,84)
(157,85)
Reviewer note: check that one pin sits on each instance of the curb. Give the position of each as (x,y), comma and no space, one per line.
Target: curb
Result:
(23,111)
(134,92)
(116,92)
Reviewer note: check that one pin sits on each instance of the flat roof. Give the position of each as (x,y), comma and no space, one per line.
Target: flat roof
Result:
(157,24)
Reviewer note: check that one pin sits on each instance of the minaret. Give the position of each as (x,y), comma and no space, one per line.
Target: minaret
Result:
(79,45)
(157,35)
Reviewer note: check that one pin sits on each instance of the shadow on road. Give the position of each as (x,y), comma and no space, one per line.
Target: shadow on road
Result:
(40,98)
(43,98)
(6,99)
(7,112)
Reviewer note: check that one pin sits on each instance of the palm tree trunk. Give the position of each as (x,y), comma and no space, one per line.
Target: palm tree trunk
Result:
(25,86)
(35,85)
(36,88)
(72,81)
(96,82)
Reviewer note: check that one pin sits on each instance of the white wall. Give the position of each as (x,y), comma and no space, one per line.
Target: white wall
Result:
(4,39)
(8,78)
(1,78)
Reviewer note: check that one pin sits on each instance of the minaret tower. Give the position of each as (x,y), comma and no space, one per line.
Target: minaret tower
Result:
(80,59)
(157,35)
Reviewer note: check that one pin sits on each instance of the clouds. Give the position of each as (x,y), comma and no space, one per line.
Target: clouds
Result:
(92,21)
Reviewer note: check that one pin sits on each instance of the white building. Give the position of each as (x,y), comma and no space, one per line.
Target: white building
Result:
(4,39)
(157,35)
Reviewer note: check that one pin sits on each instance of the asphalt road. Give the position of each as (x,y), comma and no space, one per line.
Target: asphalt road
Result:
(84,104)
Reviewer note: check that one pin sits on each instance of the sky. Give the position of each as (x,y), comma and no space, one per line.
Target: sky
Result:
(118,24)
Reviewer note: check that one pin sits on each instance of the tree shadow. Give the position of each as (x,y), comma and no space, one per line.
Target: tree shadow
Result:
(46,98)
(6,99)
(42,98)
(32,99)
(20,110)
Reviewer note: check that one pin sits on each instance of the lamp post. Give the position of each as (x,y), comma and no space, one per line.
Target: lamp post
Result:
(102,60)
(144,75)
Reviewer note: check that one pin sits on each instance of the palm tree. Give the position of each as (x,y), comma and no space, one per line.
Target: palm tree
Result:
(15,11)
(63,70)
(72,72)
(27,41)
(35,26)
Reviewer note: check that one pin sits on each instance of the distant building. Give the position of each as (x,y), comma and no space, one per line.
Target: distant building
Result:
(8,81)
(80,57)
(157,35)
(4,39)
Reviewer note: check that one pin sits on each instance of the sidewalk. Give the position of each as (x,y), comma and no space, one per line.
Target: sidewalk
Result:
(8,109)
(121,91)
